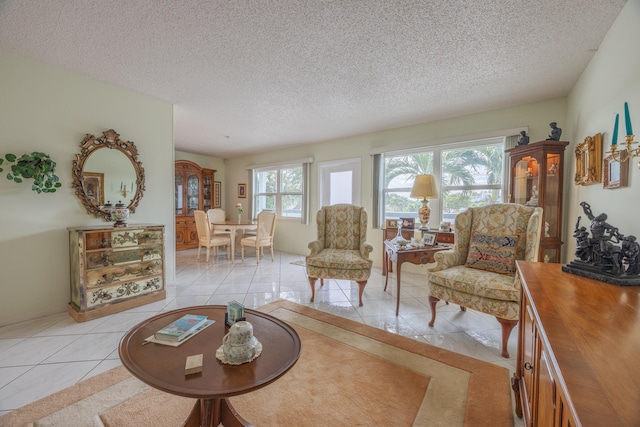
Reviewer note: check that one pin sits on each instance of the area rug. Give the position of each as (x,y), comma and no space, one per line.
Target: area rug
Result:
(349,374)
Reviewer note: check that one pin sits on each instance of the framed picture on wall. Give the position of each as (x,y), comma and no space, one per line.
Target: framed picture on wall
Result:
(93,183)
(242,191)
(615,173)
(217,194)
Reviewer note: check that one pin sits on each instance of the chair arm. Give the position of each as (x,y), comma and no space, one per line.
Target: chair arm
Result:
(365,250)
(446,259)
(316,246)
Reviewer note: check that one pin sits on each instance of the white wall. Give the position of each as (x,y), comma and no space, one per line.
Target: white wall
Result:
(293,237)
(47,109)
(612,77)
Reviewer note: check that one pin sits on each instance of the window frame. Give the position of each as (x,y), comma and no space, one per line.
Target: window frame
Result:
(436,205)
(279,194)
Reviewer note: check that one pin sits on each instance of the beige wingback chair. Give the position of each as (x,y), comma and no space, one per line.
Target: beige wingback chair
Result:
(341,250)
(479,272)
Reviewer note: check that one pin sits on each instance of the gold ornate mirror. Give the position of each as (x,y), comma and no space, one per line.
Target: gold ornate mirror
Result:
(589,160)
(107,170)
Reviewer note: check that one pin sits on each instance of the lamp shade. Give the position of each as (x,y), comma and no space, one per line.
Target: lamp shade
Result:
(424,187)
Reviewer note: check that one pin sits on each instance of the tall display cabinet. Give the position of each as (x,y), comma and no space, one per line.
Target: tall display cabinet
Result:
(193,191)
(537,179)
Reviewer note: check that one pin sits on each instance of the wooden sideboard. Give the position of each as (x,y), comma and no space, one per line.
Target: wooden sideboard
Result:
(408,233)
(578,350)
(115,269)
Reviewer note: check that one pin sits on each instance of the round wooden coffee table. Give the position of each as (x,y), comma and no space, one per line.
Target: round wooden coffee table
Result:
(163,367)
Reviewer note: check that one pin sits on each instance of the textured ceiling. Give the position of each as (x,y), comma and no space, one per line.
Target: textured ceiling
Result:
(248,76)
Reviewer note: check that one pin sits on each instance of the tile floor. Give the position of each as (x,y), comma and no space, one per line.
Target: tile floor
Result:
(41,356)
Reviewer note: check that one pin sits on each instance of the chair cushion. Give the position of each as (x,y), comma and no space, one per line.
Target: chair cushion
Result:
(492,253)
(509,310)
(478,282)
(339,259)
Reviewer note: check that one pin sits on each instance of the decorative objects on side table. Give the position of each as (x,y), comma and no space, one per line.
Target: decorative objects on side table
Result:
(235,313)
(607,255)
(424,187)
(406,223)
(37,166)
(429,239)
(239,345)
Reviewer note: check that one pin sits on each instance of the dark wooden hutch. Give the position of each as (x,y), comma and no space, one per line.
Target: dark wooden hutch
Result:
(193,191)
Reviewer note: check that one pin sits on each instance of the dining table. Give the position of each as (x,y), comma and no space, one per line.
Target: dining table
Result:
(233,227)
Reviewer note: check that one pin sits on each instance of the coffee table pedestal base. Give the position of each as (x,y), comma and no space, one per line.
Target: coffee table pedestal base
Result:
(212,412)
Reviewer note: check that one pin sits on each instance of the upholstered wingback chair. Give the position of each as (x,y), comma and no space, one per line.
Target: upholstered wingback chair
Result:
(341,250)
(479,272)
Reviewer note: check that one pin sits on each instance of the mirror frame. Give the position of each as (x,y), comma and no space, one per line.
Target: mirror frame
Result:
(110,139)
(589,160)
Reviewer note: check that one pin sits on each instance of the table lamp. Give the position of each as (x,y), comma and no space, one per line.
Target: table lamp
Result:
(424,187)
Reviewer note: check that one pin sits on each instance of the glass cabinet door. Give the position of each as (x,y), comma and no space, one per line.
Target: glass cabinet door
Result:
(526,186)
(193,196)
(207,187)
(552,198)
(179,191)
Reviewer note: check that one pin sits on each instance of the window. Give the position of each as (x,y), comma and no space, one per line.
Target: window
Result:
(471,174)
(399,173)
(339,182)
(281,189)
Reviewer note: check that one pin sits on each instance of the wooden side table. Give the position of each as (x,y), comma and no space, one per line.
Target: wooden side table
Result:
(163,367)
(407,233)
(393,253)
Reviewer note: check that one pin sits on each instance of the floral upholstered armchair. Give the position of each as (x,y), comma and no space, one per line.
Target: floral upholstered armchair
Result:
(341,250)
(479,272)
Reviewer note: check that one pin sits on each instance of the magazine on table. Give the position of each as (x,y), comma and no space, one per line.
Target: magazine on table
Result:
(176,343)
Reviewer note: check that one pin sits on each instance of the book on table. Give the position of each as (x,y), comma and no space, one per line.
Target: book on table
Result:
(181,328)
(174,343)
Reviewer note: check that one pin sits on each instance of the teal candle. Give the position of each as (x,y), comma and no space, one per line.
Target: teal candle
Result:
(627,119)
(614,138)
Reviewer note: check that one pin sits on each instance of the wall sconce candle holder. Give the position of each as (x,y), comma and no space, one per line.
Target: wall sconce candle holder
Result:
(619,155)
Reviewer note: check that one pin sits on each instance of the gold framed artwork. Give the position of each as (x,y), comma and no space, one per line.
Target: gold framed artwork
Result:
(242,191)
(615,174)
(589,160)
(93,185)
